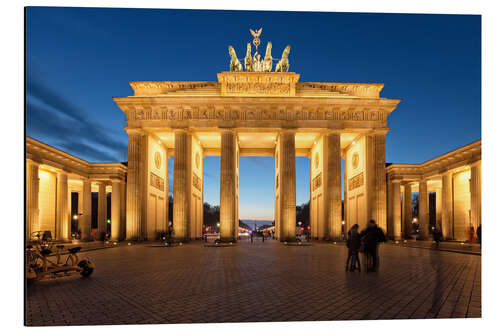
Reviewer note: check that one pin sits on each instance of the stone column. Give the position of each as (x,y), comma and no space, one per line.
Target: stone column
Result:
(166,191)
(85,221)
(123,210)
(423,209)
(115,209)
(182,185)
(396,209)
(287,185)
(227,185)
(63,226)
(439,205)
(102,218)
(376,179)
(408,215)
(333,186)
(346,201)
(136,182)
(32,192)
(447,206)
(475,194)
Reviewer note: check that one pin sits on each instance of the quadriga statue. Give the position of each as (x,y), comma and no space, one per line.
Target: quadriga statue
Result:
(283,65)
(268,59)
(235,64)
(248,59)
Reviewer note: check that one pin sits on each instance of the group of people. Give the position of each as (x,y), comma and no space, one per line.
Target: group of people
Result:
(365,241)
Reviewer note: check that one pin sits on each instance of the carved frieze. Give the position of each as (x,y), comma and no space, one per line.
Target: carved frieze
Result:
(196,182)
(317,182)
(264,114)
(356,181)
(156,181)
(257,84)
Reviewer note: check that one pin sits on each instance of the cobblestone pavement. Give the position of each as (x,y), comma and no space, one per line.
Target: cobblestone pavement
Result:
(257,282)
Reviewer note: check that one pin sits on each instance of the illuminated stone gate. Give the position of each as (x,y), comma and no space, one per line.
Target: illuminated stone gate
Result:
(255,114)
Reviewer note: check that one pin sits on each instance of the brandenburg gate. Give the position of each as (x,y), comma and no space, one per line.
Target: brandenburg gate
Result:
(255,112)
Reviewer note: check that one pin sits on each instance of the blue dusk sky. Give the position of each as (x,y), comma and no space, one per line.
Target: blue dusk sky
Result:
(79,58)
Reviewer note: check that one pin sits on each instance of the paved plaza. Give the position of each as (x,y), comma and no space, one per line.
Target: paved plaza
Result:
(268,281)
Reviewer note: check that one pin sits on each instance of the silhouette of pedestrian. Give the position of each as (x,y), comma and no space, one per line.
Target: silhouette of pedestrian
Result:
(437,236)
(169,233)
(353,245)
(371,236)
(478,233)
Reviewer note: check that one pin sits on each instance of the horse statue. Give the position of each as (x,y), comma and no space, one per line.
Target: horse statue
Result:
(267,65)
(248,59)
(283,65)
(257,63)
(235,64)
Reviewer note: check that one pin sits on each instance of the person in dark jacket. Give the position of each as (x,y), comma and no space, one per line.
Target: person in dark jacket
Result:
(371,236)
(353,245)
(478,233)
(169,233)
(437,235)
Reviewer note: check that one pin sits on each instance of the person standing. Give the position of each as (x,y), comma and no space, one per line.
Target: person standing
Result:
(353,245)
(371,236)
(478,233)
(437,236)
(169,233)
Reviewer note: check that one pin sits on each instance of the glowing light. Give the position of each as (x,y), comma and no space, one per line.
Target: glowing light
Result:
(129,243)
(75,217)
(159,142)
(353,142)
(109,221)
(314,142)
(343,222)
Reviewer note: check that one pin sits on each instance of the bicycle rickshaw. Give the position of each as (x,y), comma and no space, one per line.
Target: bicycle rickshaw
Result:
(39,266)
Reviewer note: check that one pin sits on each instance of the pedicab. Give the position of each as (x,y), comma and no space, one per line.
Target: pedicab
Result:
(39,266)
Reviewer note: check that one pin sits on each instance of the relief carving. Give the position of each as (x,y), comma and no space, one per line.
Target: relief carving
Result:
(356,181)
(156,181)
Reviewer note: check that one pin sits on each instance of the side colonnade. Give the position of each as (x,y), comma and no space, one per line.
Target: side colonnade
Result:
(455,181)
(53,175)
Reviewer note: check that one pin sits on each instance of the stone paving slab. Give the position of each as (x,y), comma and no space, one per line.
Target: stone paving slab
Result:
(255,282)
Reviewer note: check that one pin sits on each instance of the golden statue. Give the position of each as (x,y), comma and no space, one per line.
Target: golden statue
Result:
(255,63)
(267,65)
(235,64)
(256,35)
(283,65)
(248,59)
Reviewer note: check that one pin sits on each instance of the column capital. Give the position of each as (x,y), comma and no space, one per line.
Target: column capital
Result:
(116,180)
(227,130)
(379,131)
(288,130)
(333,131)
(475,164)
(33,161)
(181,130)
(135,131)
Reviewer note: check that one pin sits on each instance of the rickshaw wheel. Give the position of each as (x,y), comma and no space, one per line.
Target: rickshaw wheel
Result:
(86,269)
